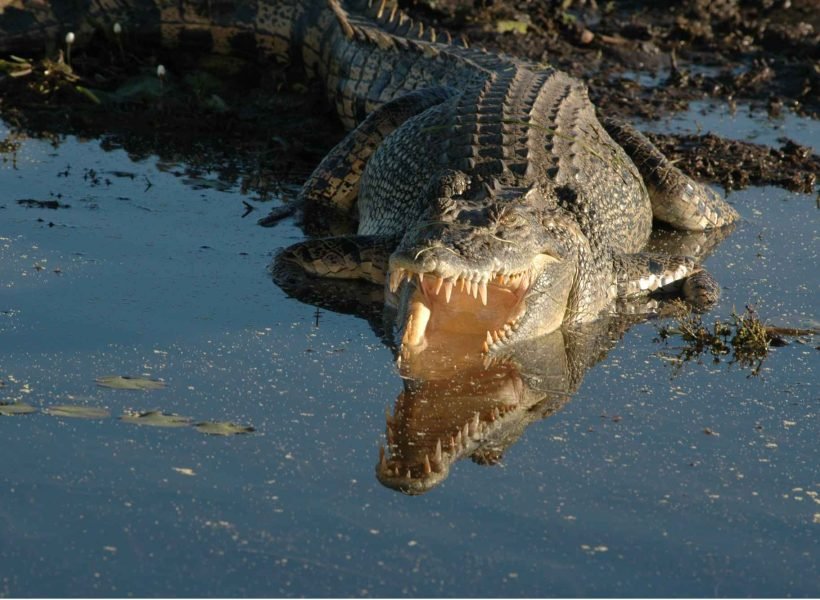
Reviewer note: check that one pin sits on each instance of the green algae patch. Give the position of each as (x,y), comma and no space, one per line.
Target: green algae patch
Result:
(15,409)
(124,382)
(77,412)
(155,418)
(222,428)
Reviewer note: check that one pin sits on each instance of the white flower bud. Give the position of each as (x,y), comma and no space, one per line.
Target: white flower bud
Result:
(160,71)
(69,38)
(117,28)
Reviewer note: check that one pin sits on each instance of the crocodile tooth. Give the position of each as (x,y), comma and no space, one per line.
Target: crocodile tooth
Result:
(390,437)
(459,439)
(482,290)
(448,289)
(495,336)
(395,280)
(439,283)
(490,340)
(466,432)
(408,275)
(421,278)
(476,420)
(416,323)
(438,450)
(485,347)
(496,413)
(382,458)
(463,281)
(453,448)
(408,475)
(427,468)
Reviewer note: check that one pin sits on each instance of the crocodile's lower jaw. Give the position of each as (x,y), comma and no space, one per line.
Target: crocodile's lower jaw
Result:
(432,319)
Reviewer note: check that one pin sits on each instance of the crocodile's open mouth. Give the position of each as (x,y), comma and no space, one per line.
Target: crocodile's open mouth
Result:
(489,305)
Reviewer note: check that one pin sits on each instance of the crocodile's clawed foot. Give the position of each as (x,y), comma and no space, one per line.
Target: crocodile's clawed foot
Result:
(701,291)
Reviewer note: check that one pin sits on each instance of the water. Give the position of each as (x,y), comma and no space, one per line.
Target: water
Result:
(621,492)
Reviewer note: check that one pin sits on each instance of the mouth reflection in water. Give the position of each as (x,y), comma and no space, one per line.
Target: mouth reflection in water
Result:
(459,404)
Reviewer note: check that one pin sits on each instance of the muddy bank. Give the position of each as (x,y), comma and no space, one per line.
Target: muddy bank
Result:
(267,127)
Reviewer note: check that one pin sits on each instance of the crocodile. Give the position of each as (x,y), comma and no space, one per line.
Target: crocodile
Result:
(456,404)
(487,194)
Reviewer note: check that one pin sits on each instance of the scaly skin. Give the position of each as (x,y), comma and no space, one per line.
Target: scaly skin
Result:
(504,204)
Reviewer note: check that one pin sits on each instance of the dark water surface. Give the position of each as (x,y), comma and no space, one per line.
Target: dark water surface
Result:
(619,493)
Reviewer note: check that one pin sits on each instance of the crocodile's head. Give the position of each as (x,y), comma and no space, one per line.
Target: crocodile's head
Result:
(490,267)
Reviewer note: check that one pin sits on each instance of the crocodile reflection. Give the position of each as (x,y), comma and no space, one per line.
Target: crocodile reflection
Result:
(456,403)
(455,406)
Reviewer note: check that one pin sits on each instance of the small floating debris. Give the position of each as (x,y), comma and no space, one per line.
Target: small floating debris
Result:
(16,408)
(222,428)
(125,382)
(33,203)
(77,412)
(155,418)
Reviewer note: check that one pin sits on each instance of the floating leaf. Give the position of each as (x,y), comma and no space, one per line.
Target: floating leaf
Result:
(222,428)
(124,382)
(77,412)
(155,418)
(18,408)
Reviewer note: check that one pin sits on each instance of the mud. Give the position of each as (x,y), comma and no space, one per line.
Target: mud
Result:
(266,127)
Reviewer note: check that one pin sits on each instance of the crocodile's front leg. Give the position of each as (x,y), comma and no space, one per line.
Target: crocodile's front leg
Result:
(676,198)
(362,257)
(331,190)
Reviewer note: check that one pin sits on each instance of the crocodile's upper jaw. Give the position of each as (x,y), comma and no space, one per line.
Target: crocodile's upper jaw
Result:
(488,305)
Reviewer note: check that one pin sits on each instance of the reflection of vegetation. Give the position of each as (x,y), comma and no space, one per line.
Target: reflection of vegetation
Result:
(744,336)
(16,408)
(155,418)
(124,382)
(10,407)
(222,428)
(227,117)
(73,411)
